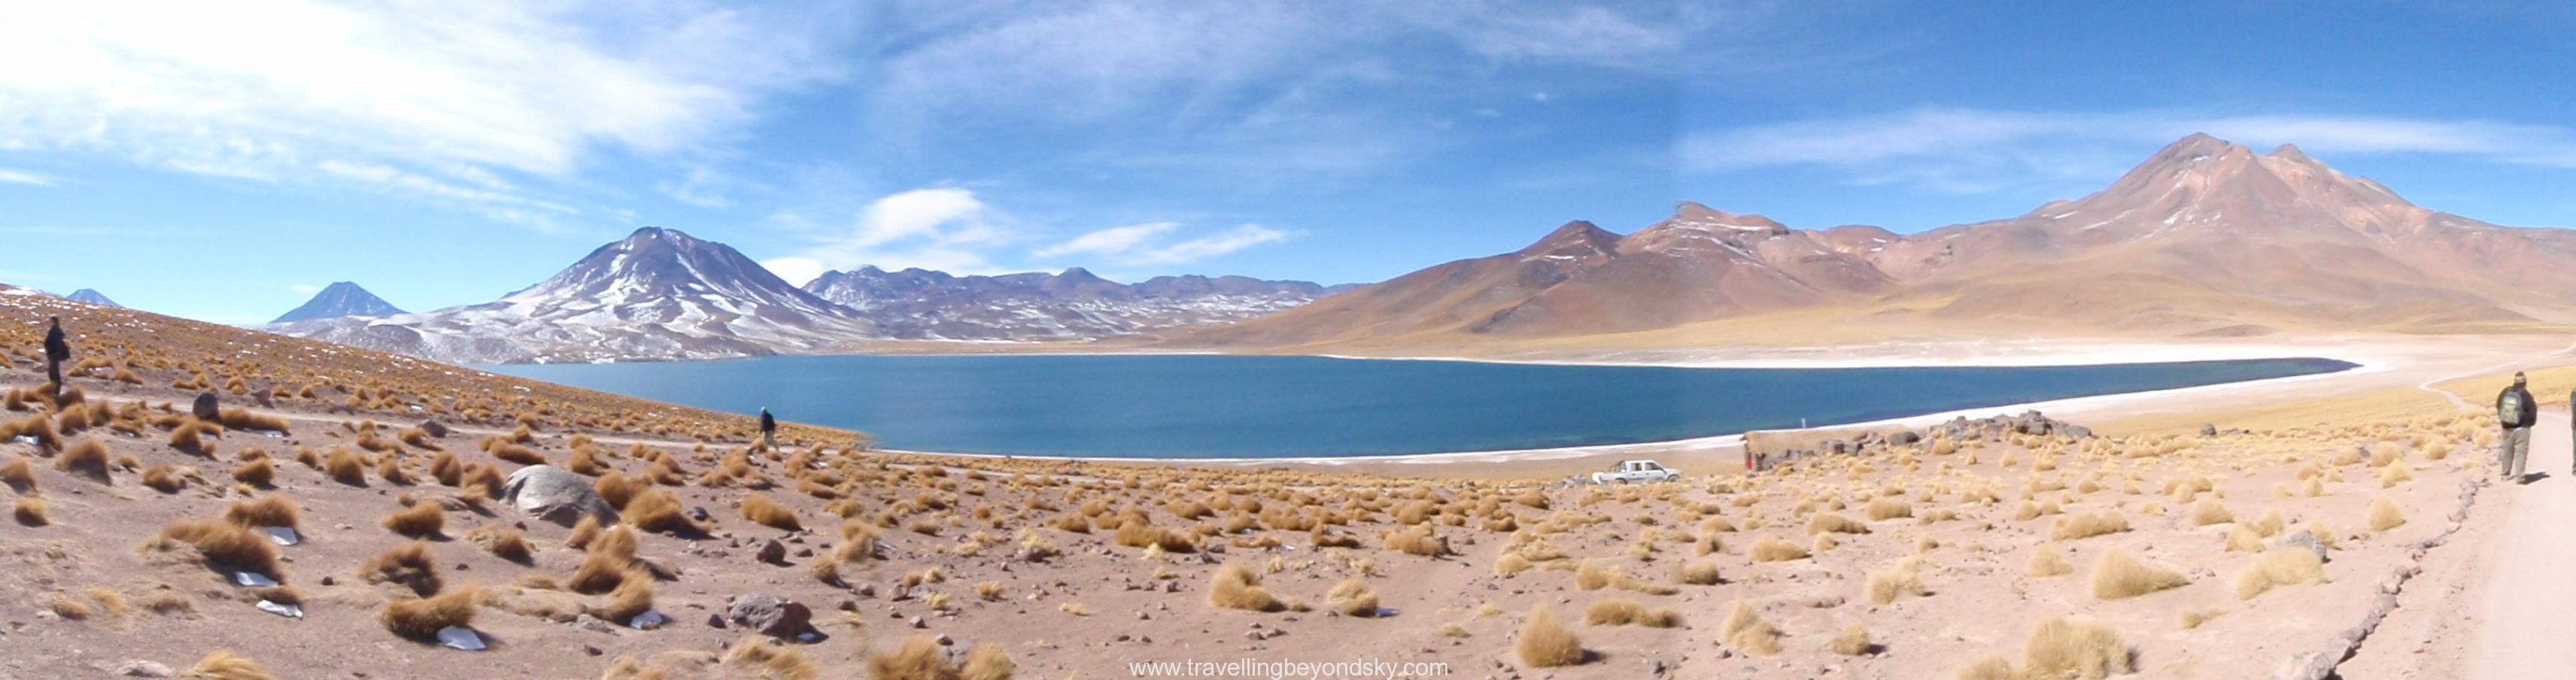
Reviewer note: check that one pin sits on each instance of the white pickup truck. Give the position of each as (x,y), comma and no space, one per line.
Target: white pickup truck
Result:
(1633,471)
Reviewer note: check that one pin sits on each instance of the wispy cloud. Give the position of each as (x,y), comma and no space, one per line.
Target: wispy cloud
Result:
(948,229)
(1146,245)
(10,176)
(436,101)
(1977,150)
(303,288)
(1282,86)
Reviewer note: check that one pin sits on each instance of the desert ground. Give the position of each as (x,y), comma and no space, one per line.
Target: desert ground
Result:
(2266,547)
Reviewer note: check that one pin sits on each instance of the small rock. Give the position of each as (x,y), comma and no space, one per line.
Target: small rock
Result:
(917,622)
(328,581)
(945,641)
(700,514)
(434,429)
(772,552)
(592,650)
(142,669)
(715,621)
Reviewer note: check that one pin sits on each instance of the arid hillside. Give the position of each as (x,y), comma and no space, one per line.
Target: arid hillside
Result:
(579,535)
(2206,238)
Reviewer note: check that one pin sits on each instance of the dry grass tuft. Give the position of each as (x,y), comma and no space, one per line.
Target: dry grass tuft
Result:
(2045,563)
(2117,576)
(408,566)
(2063,648)
(1854,641)
(224,546)
(423,520)
(223,664)
(19,475)
(2280,567)
(421,619)
(1827,522)
(1626,612)
(1906,578)
(1545,643)
(1352,598)
(86,458)
(658,511)
(631,598)
(2077,527)
(1237,587)
(503,542)
(272,510)
(1772,549)
(259,473)
(1697,574)
(989,661)
(2209,511)
(30,511)
(765,512)
(918,658)
(1747,632)
(2385,515)
(774,661)
(345,467)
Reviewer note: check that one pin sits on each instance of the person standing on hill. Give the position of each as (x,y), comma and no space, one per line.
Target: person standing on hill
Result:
(57,350)
(2516,412)
(768,430)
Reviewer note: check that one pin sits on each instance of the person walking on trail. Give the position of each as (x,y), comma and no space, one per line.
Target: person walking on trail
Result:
(57,351)
(768,430)
(2516,411)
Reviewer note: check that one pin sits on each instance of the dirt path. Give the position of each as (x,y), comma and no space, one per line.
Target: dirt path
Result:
(2527,614)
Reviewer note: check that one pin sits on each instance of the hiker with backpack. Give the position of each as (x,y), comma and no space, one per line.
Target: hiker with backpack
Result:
(768,430)
(2516,411)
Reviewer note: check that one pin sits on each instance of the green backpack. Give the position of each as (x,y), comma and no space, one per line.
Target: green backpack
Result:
(2509,408)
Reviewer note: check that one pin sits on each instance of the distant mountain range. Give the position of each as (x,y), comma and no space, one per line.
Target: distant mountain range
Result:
(94,297)
(1073,305)
(661,294)
(338,300)
(2204,238)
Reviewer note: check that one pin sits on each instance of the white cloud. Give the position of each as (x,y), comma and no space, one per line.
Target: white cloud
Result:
(1273,86)
(947,229)
(1143,244)
(1110,241)
(1976,150)
(703,188)
(303,288)
(426,99)
(1213,245)
(9,176)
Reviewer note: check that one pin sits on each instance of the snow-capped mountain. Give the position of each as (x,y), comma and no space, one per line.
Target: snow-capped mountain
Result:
(1073,305)
(94,297)
(338,300)
(658,294)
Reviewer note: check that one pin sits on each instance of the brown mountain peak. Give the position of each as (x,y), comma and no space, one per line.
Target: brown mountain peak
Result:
(1575,236)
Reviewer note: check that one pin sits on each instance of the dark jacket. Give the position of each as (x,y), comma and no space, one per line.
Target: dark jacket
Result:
(2529,414)
(767,424)
(56,347)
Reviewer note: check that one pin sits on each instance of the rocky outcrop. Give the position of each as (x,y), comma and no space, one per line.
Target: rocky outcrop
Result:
(555,495)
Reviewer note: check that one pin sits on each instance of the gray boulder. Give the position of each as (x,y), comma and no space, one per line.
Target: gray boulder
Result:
(556,495)
(206,408)
(772,615)
(2302,539)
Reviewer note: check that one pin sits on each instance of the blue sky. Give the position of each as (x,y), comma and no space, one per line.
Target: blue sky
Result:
(223,162)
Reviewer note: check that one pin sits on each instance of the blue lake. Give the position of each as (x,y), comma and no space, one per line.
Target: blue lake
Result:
(1262,406)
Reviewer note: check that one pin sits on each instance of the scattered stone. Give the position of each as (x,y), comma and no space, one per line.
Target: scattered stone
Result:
(772,552)
(206,408)
(772,615)
(700,514)
(917,622)
(434,429)
(143,669)
(593,624)
(2302,539)
(556,495)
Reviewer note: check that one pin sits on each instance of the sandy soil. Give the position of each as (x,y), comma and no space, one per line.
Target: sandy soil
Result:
(2493,603)
(1100,604)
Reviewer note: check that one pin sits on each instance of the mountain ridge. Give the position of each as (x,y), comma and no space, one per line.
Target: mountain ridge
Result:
(340,299)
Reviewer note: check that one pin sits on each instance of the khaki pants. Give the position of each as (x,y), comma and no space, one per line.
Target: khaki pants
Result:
(2512,451)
